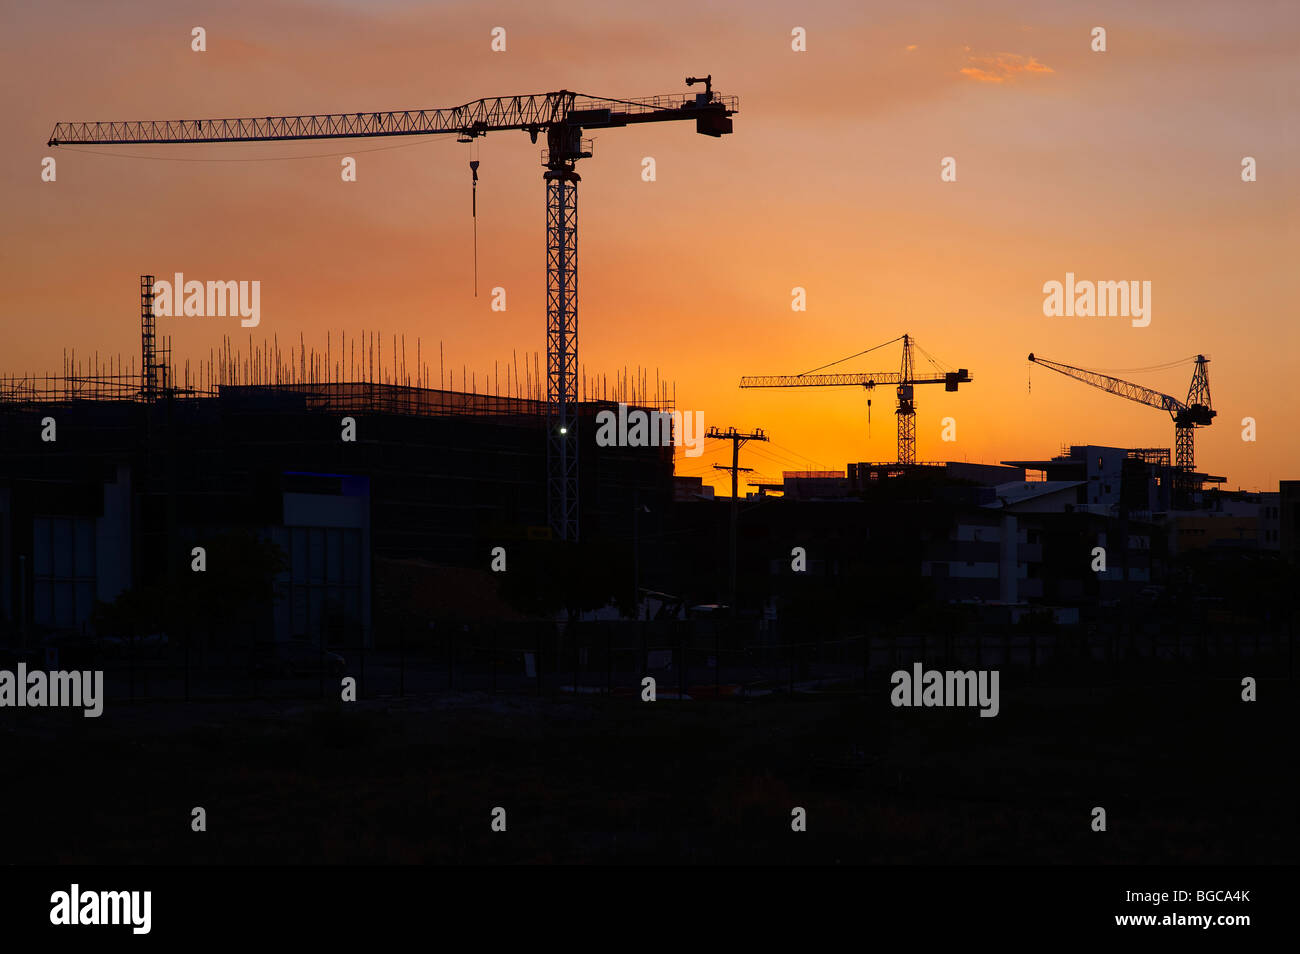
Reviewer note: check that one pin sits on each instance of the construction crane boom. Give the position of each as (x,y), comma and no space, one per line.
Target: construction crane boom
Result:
(562,116)
(904,380)
(532,113)
(1118,386)
(1196,411)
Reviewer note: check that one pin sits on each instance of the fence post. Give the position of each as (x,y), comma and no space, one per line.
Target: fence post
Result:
(866,660)
(717,661)
(681,663)
(559,657)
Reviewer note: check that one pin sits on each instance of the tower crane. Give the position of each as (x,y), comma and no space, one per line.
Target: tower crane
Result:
(1188,415)
(905,379)
(562,116)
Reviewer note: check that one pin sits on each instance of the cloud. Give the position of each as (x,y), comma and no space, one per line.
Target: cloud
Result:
(1002,67)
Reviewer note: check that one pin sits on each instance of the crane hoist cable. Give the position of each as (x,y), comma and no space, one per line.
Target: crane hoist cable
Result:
(473,168)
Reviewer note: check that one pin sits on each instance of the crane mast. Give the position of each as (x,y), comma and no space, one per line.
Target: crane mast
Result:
(906,410)
(563,116)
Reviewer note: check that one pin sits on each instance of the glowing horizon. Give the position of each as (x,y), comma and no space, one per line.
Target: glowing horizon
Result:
(1114,166)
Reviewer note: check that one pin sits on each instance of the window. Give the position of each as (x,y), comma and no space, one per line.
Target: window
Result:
(63,570)
(324,586)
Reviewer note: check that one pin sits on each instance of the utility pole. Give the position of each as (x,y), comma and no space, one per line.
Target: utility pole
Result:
(736,438)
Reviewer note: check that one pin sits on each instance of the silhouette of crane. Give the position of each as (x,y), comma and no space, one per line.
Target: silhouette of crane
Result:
(1188,415)
(905,379)
(562,116)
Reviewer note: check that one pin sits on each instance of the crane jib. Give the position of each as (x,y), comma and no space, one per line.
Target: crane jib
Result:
(532,114)
(562,116)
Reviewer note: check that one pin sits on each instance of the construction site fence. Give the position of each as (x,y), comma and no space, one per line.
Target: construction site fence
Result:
(613,659)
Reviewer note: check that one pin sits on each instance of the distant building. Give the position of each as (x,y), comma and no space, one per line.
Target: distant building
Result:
(1240,520)
(1289,518)
(861,476)
(691,488)
(1040,496)
(1270,521)
(1139,480)
(814,484)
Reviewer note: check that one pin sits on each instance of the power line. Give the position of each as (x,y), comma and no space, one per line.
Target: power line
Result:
(791,450)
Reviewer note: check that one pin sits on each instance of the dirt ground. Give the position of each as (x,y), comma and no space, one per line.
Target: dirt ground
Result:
(1186,775)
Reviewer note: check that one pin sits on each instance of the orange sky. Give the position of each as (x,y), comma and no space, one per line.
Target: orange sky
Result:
(1122,165)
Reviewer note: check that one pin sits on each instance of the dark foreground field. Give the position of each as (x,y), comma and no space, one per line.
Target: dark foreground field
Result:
(1187,773)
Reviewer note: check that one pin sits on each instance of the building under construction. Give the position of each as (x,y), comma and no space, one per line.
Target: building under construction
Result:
(108,481)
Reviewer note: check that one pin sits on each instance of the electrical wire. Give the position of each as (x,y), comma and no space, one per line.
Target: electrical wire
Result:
(791,450)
